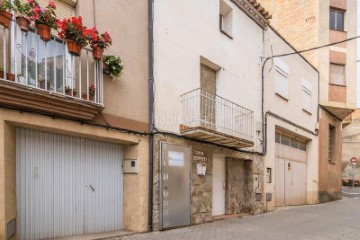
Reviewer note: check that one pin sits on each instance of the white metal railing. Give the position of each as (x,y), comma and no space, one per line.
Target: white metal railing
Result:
(49,66)
(207,110)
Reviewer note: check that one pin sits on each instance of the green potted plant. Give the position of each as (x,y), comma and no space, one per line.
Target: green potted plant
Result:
(23,12)
(113,66)
(5,14)
(75,34)
(45,18)
(98,42)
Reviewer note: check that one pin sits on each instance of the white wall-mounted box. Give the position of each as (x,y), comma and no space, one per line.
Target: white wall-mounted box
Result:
(130,166)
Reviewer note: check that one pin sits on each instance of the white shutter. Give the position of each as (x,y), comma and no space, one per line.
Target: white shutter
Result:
(281,84)
(337,74)
(306,95)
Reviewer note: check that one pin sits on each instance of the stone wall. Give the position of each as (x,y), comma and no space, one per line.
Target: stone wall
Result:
(241,197)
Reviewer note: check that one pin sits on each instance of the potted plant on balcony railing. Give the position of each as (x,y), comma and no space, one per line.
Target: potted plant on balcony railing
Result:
(114,66)
(5,14)
(23,12)
(92,89)
(70,92)
(75,34)
(98,42)
(45,18)
(9,76)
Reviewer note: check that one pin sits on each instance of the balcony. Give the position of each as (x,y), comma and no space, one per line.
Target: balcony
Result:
(44,77)
(211,118)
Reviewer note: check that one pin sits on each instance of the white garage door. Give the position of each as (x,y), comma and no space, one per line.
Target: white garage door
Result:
(67,185)
(290,172)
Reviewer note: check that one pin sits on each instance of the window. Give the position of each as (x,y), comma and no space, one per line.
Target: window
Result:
(331,144)
(337,19)
(225,19)
(290,141)
(337,75)
(306,95)
(281,79)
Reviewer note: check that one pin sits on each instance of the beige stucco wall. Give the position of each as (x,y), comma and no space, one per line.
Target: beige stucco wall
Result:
(127,23)
(299,69)
(135,185)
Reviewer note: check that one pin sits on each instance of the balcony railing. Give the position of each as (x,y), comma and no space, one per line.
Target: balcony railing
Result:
(207,111)
(30,62)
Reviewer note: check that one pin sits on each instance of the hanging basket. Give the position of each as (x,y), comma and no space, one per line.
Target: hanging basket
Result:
(23,23)
(44,31)
(5,18)
(73,47)
(97,53)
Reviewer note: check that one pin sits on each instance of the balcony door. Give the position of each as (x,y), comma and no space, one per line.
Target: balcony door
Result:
(208,97)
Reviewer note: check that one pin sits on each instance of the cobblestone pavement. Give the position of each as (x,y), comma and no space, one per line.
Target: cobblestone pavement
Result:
(334,220)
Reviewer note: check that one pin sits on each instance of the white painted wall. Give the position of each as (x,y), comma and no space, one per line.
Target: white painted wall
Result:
(358,57)
(291,109)
(186,30)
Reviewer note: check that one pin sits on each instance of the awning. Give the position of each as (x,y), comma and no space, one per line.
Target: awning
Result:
(339,112)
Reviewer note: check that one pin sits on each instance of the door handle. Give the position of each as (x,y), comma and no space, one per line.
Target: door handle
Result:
(92,188)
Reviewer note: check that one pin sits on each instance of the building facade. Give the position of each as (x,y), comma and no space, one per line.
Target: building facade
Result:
(308,24)
(210,157)
(61,156)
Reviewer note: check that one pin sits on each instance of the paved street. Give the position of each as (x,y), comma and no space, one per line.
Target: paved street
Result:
(334,220)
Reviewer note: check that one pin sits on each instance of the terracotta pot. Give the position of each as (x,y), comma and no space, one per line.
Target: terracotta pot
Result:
(10,77)
(73,47)
(106,68)
(23,23)
(91,98)
(2,74)
(97,53)
(44,31)
(5,18)
(69,93)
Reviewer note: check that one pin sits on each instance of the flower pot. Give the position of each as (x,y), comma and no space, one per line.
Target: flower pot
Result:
(91,98)
(97,53)
(2,74)
(10,77)
(23,23)
(73,47)
(106,68)
(69,93)
(5,18)
(21,79)
(44,31)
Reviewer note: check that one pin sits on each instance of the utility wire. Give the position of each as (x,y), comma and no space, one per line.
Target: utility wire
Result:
(315,48)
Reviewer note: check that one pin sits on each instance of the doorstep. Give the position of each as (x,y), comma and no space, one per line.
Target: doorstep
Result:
(98,236)
(221,217)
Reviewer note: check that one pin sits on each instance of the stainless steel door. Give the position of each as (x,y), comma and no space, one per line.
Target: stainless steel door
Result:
(175,168)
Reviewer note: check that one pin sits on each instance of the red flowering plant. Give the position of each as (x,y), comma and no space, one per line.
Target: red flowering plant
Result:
(92,90)
(43,15)
(99,40)
(73,29)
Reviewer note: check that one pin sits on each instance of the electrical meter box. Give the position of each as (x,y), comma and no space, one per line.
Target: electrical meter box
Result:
(130,166)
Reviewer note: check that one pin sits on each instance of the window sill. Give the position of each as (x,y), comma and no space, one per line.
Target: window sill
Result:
(337,85)
(226,34)
(282,97)
(307,111)
(336,30)
(332,163)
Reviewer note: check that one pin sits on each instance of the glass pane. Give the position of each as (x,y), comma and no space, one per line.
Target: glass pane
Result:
(332,19)
(285,140)
(277,137)
(294,143)
(340,21)
(302,146)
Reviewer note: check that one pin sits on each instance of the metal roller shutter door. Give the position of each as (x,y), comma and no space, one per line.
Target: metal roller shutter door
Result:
(67,185)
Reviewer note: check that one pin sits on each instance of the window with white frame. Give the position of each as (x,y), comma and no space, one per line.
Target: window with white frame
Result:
(226,15)
(281,79)
(306,95)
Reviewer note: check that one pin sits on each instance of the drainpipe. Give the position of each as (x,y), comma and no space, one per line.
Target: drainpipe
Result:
(151,109)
